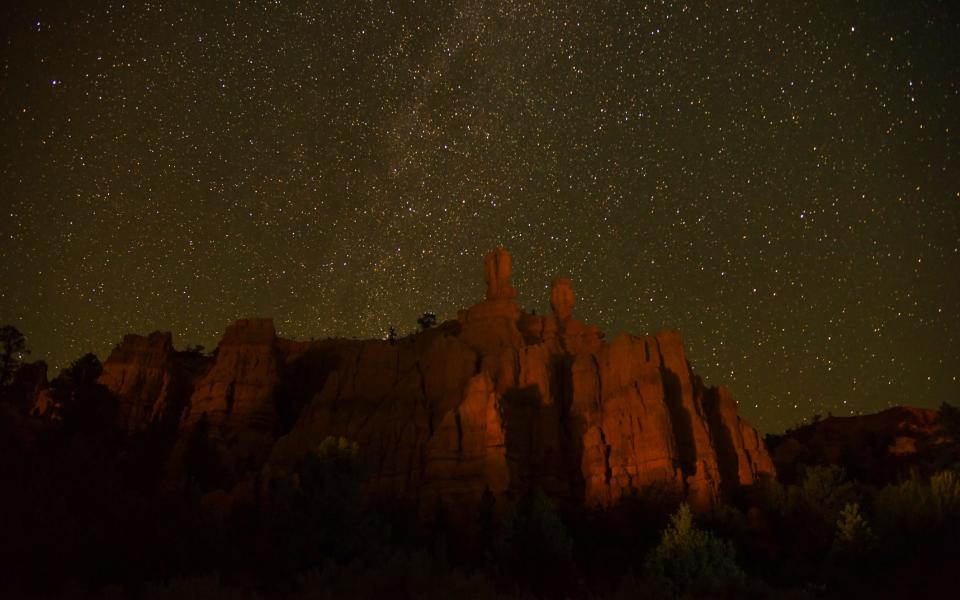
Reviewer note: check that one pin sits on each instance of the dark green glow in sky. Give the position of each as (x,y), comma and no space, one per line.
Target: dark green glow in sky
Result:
(778,181)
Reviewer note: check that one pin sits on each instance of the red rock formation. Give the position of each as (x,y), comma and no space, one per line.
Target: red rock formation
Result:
(497,268)
(152,381)
(742,457)
(390,398)
(469,446)
(629,439)
(237,397)
(138,372)
(498,400)
(502,400)
(562,299)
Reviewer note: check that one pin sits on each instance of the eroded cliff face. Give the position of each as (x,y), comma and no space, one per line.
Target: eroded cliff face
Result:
(236,402)
(495,401)
(152,381)
(501,400)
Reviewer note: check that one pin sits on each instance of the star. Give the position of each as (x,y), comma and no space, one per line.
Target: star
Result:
(775,182)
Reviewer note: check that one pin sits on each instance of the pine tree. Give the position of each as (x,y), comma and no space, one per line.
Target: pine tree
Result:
(854,535)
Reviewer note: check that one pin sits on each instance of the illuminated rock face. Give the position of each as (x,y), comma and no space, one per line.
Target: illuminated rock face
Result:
(151,380)
(562,299)
(741,454)
(497,268)
(137,371)
(237,398)
(496,402)
(502,400)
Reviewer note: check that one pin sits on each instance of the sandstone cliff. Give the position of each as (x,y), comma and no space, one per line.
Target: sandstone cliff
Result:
(237,398)
(151,380)
(29,386)
(495,401)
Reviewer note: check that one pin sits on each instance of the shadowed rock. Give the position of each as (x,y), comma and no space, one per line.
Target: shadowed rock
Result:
(152,381)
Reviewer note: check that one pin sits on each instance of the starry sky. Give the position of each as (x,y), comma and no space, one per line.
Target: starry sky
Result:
(777,180)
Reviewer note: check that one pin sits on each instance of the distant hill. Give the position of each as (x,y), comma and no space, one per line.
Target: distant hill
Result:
(878,448)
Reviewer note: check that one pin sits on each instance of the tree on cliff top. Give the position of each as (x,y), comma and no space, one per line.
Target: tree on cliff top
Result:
(427,320)
(14,347)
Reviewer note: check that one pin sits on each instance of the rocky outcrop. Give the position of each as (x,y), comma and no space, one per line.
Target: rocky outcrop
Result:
(497,268)
(236,401)
(741,455)
(494,403)
(501,401)
(138,372)
(469,446)
(562,299)
(390,398)
(152,381)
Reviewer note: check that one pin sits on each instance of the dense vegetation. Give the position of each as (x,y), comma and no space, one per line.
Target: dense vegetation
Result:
(88,512)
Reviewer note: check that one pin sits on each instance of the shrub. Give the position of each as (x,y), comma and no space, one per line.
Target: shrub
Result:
(316,511)
(854,535)
(691,561)
(811,508)
(945,495)
(916,512)
(533,539)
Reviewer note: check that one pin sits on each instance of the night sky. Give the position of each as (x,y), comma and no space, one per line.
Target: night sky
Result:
(780,181)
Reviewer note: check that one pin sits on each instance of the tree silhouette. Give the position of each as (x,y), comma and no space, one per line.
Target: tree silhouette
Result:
(315,511)
(533,537)
(201,464)
(853,534)
(427,320)
(85,405)
(14,347)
